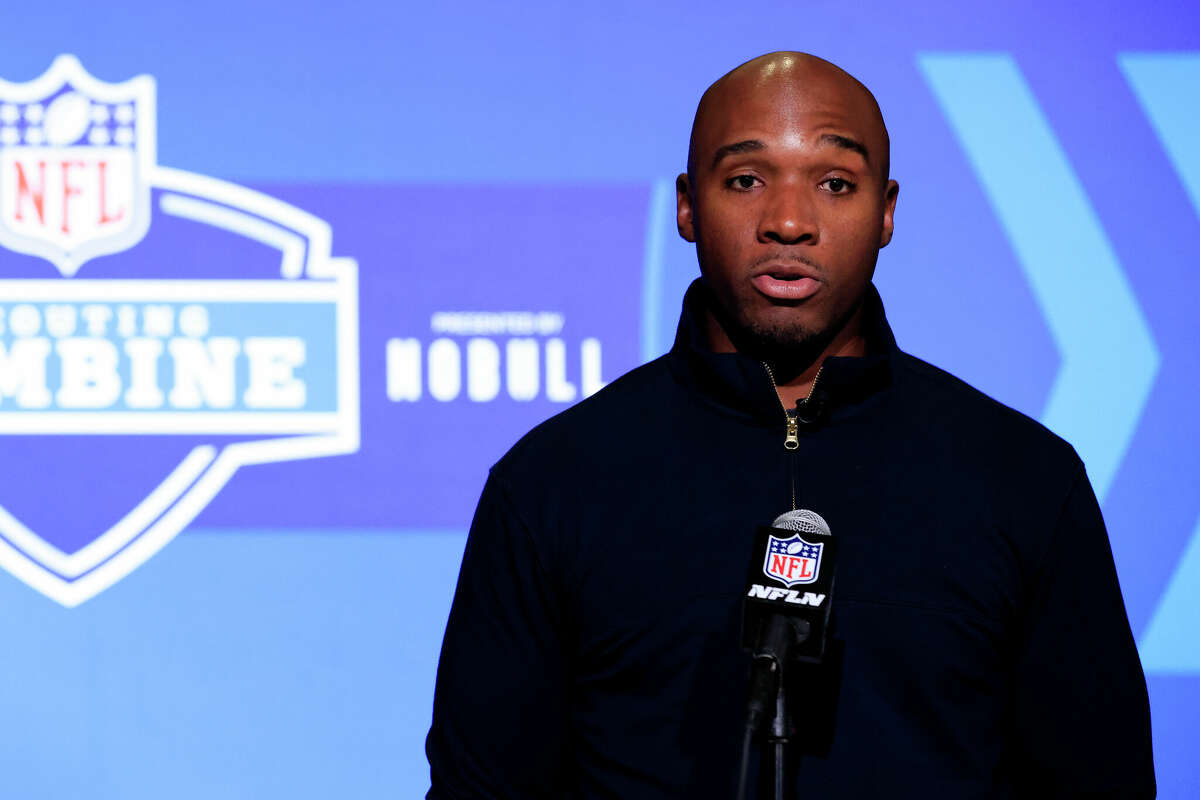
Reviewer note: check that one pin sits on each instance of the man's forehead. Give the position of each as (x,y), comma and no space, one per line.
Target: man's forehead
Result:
(793,104)
(786,100)
(784,125)
(787,128)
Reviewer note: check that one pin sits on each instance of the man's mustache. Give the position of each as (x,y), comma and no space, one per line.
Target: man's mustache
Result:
(785,257)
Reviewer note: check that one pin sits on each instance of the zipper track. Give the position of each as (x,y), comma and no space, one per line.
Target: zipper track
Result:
(790,441)
(791,438)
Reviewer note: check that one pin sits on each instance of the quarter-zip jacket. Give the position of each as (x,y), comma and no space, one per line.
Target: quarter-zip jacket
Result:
(979,644)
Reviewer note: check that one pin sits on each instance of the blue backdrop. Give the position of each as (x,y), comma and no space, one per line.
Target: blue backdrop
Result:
(383,243)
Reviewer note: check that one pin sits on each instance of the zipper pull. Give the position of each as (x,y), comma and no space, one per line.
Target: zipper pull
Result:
(792,440)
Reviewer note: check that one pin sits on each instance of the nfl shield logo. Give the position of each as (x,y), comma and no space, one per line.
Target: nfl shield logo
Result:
(75,154)
(792,561)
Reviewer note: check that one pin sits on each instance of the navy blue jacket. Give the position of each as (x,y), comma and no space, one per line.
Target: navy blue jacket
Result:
(979,643)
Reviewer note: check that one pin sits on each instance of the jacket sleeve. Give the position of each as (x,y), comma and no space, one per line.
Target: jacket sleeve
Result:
(499,710)
(1081,714)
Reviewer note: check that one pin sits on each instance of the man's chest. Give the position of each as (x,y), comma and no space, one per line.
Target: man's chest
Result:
(922,557)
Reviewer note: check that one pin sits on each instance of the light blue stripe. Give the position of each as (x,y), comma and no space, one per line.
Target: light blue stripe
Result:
(234,664)
(652,269)
(1168,87)
(1171,643)
(1109,359)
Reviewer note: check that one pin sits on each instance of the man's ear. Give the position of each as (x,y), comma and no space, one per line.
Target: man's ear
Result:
(683,208)
(889,212)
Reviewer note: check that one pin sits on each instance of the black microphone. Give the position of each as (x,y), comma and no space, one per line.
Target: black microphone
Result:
(788,597)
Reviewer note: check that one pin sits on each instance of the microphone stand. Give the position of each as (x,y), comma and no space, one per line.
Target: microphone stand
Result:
(779,734)
(771,657)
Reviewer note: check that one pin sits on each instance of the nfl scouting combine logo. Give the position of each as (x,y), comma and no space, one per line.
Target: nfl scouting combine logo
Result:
(158,330)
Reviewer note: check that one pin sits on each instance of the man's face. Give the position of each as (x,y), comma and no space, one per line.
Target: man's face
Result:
(788,205)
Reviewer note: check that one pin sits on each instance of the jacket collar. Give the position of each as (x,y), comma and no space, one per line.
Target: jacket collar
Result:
(741,384)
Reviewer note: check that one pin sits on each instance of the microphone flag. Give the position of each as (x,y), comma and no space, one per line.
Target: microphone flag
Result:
(791,573)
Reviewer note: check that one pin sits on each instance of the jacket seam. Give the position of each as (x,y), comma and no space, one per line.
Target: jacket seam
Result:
(1055,530)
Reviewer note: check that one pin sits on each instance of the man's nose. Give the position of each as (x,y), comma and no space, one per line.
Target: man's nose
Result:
(789,218)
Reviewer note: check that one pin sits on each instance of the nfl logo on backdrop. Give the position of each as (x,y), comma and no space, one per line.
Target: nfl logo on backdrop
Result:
(158,330)
(792,561)
(75,158)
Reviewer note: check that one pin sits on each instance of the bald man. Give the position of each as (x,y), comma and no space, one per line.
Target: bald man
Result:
(978,645)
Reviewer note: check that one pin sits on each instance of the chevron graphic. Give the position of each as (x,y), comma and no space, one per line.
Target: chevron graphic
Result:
(1170,643)
(1167,86)
(1071,267)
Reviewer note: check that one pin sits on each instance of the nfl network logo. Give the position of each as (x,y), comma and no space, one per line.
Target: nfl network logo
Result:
(163,356)
(792,561)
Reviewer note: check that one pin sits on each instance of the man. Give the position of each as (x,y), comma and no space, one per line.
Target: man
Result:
(979,644)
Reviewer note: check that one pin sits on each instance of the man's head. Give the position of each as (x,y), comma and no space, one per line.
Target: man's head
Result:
(788,200)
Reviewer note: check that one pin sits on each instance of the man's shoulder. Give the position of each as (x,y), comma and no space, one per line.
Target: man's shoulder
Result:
(955,408)
(616,415)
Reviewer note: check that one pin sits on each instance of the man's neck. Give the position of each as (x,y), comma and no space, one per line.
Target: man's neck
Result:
(849,341)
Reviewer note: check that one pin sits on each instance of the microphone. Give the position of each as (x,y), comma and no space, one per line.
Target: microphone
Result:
(788,597)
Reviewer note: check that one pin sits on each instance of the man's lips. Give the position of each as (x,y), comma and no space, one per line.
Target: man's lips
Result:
(786,283)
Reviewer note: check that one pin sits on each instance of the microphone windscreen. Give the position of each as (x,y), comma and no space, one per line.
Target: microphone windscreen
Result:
(802,521)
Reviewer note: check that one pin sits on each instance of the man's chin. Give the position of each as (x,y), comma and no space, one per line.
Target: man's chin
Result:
(792,344)
(778,332)
(781,327)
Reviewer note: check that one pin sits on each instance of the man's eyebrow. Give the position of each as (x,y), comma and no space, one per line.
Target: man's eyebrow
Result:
(753,145)
(746,146)
(846,143)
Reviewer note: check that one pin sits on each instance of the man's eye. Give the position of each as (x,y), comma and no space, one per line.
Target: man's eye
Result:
(839,185)
(743,182)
